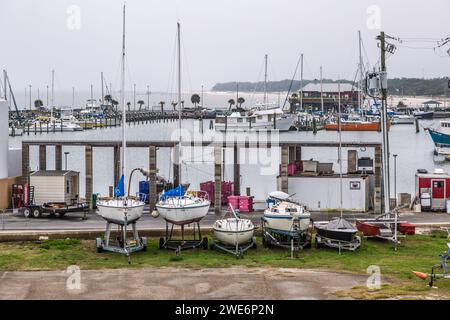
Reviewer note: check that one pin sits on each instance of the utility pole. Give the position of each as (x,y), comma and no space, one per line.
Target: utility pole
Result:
(321,89)
(301,83)
(384,124)
(265,79)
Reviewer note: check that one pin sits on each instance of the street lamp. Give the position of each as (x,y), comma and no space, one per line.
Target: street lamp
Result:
(395,177)
(65,159)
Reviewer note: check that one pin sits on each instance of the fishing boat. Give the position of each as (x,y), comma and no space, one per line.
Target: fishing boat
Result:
(267,119)
(441,137)
(354,125)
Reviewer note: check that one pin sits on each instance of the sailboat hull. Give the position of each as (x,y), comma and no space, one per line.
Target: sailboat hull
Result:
(114,211)
(284,224)
(180,215)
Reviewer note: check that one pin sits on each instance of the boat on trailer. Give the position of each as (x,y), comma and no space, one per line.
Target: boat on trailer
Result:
(123,210)
(286,223)
(233,235)
(178,207)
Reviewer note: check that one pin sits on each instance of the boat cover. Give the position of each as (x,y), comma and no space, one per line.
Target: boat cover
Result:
(339,224)
(176,192)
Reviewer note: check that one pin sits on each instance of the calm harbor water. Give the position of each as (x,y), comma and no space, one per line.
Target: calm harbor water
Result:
(414,150)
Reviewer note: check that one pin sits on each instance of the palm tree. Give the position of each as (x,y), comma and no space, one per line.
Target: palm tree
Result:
(240,101)
(293,99)
(128,105)
(174,104)
(38,104)
(108,98)
(231,102)
(162,103)
(115,103)
(195,99)
(140,103)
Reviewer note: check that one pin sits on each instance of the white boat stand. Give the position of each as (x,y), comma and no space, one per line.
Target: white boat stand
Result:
(120,244)
(236,250)
(338,244)
(294,243)
(176,244)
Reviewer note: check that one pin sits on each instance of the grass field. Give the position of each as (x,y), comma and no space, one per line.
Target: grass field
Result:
(417,253)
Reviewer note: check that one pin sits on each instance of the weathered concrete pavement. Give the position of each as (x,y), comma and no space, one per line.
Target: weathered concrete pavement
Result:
(172,283)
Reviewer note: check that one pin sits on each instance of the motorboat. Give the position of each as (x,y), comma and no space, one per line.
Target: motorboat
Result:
(420,114)
(441,136)
(285,216)
(180,208)
(402,119)
(266,119)
(354,125)
(337,229)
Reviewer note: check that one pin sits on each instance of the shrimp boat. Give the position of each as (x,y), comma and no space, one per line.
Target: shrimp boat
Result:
(123,210)
(178,207)
(441,137)
(233,235)
(286,223)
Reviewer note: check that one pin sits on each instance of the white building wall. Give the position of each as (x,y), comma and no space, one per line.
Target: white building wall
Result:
(4,138)
(15,162)
(322,193)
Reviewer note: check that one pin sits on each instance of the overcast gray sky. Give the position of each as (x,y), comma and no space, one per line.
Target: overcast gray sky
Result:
(223,40)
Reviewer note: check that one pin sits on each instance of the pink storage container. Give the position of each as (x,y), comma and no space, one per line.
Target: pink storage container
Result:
(245,204)
(299,165)
(208,187)
(234,201)
(227,190)
(291,169)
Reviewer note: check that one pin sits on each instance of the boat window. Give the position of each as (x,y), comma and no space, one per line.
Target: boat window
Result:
(239,120)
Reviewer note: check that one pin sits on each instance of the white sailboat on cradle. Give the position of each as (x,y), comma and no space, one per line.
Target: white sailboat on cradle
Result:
(176,206)
(123,210)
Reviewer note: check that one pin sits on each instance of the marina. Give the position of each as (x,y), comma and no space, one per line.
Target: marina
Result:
(182,171)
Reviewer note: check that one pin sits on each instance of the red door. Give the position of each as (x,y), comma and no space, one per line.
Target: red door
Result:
(438,189)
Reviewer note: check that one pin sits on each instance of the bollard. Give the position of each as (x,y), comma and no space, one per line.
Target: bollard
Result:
(416,121)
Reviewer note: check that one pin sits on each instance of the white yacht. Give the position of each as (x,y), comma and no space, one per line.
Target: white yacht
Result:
(266,119)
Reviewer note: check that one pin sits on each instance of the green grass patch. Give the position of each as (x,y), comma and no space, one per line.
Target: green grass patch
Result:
(416,253)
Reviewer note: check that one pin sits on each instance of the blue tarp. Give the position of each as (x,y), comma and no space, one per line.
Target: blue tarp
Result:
(177,192)
(119,191)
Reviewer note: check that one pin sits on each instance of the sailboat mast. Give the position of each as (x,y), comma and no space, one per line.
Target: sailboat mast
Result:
(53,92)
(301,83)
(179,98)
(360,72)
(122,100)
(265,79)
(340,150)
(321,89)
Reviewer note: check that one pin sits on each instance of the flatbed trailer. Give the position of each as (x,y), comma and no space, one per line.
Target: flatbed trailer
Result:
(53,208)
